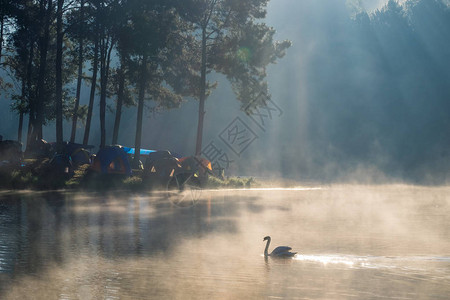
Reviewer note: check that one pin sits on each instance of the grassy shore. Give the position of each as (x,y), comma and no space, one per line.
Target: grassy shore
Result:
(41,175)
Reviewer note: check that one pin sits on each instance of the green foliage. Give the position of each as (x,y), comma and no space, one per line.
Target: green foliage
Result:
(233,182)
(214,182)
(80,175)
(231,40)
(150,39)
(36,72)
(40,174)
(165,50)
(34,175)
(133,183)
(239,45)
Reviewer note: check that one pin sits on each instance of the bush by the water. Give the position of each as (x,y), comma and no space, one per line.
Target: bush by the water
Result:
(232,182)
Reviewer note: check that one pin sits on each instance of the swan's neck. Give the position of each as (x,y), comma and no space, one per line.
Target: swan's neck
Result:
(266,253)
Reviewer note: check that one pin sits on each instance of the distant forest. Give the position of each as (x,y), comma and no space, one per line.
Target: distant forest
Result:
(378,90)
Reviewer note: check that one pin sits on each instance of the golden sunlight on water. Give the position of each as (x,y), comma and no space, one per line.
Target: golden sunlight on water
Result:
(353,242)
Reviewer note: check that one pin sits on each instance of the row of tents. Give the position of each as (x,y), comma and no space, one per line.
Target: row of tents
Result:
(117,160)
(157,166)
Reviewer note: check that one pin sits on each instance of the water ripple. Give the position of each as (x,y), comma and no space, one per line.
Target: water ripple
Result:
(374,262)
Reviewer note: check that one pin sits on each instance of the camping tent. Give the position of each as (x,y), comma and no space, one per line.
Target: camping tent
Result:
(142,151)
(198,166)
(38,149)
(62,164)
(111,160)
(160,166)
(80,156)
(78,152)
(10,151)
(156,156)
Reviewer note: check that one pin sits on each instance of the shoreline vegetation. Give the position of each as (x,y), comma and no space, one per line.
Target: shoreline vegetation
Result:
(35,174)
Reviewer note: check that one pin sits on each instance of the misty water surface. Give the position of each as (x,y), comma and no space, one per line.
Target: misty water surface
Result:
(353,242)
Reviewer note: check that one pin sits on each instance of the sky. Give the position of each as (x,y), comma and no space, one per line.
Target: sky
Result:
(371,5)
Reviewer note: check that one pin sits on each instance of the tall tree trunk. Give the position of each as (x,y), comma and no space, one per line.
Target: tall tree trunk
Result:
(30,131)
(140,112)
(58,72)
(119,104)
(92,94)
(202,98)
(20,129)
(2,25)
(19,132)
(102,92)
(104,72)
(29,93)
(80,74)
(43,48)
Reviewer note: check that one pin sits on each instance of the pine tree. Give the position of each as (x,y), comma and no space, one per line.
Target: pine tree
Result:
(231,40)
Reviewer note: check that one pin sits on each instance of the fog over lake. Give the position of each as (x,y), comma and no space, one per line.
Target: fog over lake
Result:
(353,241)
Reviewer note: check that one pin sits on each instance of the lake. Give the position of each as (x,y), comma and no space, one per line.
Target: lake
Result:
(353,242)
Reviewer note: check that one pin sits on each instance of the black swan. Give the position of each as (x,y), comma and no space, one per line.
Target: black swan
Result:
(280,252)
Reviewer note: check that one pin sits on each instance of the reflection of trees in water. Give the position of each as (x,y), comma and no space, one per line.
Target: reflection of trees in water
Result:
(41,230)
(29,233)
(8,230)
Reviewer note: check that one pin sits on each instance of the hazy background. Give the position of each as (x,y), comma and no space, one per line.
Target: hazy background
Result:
(361,97)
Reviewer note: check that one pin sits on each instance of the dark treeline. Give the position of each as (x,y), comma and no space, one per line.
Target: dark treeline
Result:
(129,51)
(378,94)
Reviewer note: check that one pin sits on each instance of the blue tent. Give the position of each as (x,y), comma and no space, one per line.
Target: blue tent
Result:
(142,152)
(112,160)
